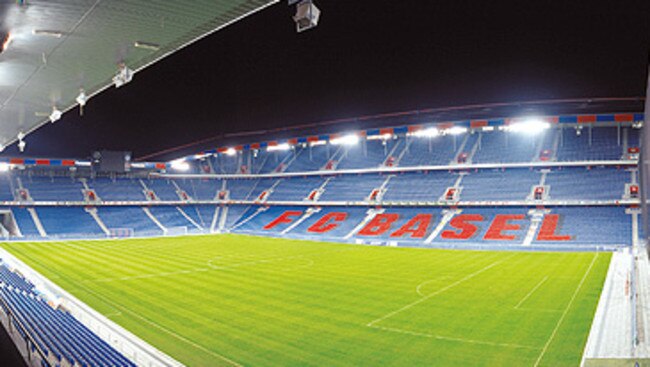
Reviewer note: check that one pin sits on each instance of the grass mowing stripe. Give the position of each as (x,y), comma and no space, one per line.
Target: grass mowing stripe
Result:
(468,277)
(566,309)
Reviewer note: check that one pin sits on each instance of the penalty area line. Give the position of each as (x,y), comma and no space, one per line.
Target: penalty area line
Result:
(444,289)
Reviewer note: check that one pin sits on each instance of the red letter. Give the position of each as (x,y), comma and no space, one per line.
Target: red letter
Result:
(460,222)
(322,225)
(549,226)
(417,227)
(378,225)
(500,224)
(283,218)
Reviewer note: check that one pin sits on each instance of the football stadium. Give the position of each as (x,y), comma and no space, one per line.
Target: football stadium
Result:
(492,234)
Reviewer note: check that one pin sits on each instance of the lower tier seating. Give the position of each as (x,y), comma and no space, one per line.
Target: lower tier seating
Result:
(63,339)
(567,226)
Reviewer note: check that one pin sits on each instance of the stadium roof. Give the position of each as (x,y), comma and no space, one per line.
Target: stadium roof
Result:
(54,48)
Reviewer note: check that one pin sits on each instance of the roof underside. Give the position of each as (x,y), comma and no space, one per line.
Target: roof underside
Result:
(40,71)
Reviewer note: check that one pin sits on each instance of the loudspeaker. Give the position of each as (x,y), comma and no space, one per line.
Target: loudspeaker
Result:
(307,15)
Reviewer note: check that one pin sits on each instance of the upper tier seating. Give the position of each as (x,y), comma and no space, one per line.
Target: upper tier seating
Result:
(587,184)
(311,158)
(603,146)
(53,189)
(6,192)
(268,162)
(248,189)
(495,185)
(366,154)
(351,187)
(117,190)
(224,163)
(296,189)
(200,189)
(414,187)
(497,147)
(164,189)
(429,151)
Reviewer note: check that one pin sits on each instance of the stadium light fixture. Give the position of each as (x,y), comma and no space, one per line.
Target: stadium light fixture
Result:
(201,155)
(55,115)
(307,14)
(456,130)
(123,76)
(82,98)
(47,32)
(351,139)
(318,142)
(230,151)
(380,137)
(529,126)
(21,145)
(279,147)
(180,165)
(4,166)
(431,132)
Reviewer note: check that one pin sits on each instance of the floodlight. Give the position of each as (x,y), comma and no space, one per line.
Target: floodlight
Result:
(180,165)
(317,142)
(123,76)
(21,145)
(380,137)
(456,130)
(4,166)
(307,15)
(82,98)
(147,45)
(231,151)
(345,140)
(21,135)
(279,147)
(529,126)
(47,32)
(201,155)
(427,133)
(55,115)
(2,148)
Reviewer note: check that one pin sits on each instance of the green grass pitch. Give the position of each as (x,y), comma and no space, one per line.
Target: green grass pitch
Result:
(232,300)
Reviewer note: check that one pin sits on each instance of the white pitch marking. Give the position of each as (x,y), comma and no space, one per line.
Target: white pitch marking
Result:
(448,338)
(468,277)
(156,325)
(566,310)
(531,292)
(418,289)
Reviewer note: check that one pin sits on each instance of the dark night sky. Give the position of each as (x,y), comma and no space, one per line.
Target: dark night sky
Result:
(366,57)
